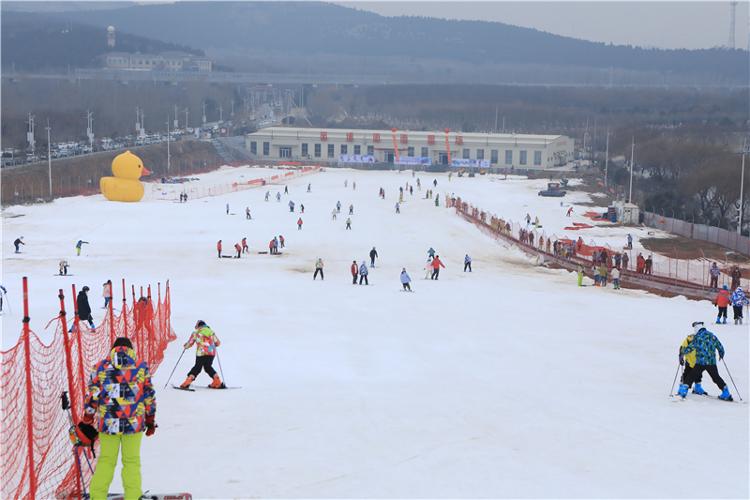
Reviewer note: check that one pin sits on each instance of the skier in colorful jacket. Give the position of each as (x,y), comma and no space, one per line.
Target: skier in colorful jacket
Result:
(739,300)
(206,343)
(123,401)
(704,345)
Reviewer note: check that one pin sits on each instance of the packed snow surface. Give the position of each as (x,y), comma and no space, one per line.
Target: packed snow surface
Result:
(509,381)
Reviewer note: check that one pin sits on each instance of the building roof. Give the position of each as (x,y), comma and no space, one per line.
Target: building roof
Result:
(417,134)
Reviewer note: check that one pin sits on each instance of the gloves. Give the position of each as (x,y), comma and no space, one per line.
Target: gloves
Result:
(150,425)
(186,346)
(682,360)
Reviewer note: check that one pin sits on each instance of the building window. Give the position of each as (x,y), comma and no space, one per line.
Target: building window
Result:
(465,154)
(304,149)
(253,147)
(357,149)
(480,154)
(370,150)
(331,149)
(493,156)
(425,152)
(522,160)
(317,151)
(266,148)
(344,149)
(509,157)
(537,157)
(410,151)
(285,152)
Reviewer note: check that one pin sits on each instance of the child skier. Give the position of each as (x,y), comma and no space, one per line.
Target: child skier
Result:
(63,268)
(615,273)
(318,269)
(722,302)
(739,300)
(705,344)
(122,398)
(688,364)
(405,280)
(107,293)
(363,273)
(206,343)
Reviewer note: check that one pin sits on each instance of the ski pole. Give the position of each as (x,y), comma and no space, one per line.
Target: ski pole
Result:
(671,391)
(175,367)
(220,368)
(730,378)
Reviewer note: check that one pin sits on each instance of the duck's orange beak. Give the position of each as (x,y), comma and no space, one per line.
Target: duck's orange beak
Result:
(145,171)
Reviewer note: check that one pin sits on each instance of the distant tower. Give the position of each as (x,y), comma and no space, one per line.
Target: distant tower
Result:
(111,37)
(732,23)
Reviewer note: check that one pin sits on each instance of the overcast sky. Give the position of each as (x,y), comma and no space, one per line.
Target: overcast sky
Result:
(649,24)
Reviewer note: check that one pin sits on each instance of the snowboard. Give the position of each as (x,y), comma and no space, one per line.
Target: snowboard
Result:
(154,496)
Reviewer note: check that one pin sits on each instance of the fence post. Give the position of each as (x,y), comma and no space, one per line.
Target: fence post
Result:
(151,317)
(111,315)
(123,313)
(29,390)
(69,370)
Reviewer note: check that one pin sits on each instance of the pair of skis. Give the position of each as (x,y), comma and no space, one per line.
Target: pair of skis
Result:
(208,387)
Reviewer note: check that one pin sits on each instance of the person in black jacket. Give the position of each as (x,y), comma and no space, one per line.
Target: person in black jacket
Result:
(84,309)
(373,256)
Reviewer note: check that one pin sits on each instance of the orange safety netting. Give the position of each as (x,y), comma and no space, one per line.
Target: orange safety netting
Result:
(33,426)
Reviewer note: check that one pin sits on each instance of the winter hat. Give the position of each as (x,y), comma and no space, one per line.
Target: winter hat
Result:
(725,287)
(200,323)
(697,326)
(85,289)
(122,341)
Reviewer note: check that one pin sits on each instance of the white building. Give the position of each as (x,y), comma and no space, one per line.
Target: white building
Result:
(404,147)
(165,61)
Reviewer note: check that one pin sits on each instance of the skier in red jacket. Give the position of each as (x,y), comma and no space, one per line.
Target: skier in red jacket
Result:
(436,265)
(722,302)
(299,223)
(218,248)
(354,269)
(238,248)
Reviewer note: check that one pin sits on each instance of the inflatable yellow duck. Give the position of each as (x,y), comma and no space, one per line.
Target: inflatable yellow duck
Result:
(127,169)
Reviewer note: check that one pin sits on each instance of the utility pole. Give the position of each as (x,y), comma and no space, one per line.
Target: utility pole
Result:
(186,118)
(221,114)
(168,157)
(232,113)
(632,166)
(49,158)
(176,124)
(204,112)
(745,151)
(90,128)
(30,134)
(606,160)
(495,129)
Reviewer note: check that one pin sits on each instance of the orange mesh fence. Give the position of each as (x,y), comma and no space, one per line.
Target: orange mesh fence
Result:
(37,459)
(570,253)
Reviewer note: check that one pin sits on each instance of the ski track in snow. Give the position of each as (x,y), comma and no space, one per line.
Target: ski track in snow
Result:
(506,382)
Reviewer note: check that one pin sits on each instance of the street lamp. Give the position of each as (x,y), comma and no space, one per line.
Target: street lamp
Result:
(745,151)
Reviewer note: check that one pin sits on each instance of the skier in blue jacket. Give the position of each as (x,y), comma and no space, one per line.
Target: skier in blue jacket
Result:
(739,301)
(405,280)
(363,273)
(467,263)
(704,344)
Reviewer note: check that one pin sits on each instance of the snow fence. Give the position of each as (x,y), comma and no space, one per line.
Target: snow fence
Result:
(37,459)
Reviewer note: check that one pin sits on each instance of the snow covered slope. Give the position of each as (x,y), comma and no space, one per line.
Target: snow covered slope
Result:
(508,381)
